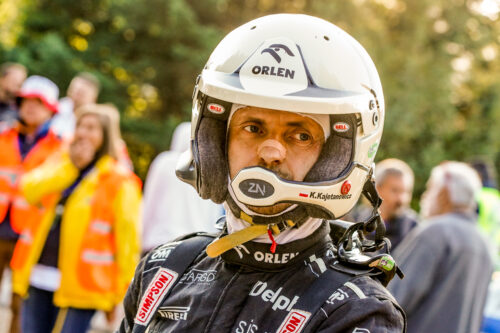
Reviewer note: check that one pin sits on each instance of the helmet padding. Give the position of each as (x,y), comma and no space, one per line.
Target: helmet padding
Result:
(336,154)
(213,166)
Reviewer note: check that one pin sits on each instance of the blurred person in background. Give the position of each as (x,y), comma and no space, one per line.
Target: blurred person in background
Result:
(81,256)
(83,89)
(489,223)
(171,207)
(24,146)
(12,76)
(489,205)
(394,183)
(394,179)
(446,261)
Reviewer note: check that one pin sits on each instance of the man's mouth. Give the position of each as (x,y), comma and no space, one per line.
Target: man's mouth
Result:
(280,173)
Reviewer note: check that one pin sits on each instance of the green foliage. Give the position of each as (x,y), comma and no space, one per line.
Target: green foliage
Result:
(438,61)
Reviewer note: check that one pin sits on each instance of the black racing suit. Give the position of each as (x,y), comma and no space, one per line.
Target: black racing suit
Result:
(251,290)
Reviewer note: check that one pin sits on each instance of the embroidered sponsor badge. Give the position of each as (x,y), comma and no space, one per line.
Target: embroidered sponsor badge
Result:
(157,289)
(161,253)
(280,302)
(294,322)
(174,312)
(198,276)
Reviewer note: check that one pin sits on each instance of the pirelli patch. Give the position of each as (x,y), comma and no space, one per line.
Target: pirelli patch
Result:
(156,291)
(294,322)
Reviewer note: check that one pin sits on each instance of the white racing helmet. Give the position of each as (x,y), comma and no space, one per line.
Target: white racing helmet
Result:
(294,63)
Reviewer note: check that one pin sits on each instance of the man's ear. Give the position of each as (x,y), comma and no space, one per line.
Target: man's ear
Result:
(443,202)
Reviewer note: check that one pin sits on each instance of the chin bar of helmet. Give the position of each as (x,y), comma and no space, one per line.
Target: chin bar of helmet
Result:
(258,186)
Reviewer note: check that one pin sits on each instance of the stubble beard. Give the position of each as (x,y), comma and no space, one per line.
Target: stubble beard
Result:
(270,210)
(277,208)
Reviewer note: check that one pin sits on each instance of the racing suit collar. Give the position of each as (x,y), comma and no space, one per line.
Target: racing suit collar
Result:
(307,228)
(258,256)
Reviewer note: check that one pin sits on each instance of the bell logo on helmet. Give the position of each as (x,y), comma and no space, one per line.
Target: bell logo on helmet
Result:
(256,188)
(215,108)
(341,127)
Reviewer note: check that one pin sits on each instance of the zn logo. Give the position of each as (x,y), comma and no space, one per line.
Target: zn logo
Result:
(256,188)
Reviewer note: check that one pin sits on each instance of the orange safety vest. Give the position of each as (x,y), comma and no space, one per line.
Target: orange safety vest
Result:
(12,166)
(97,268)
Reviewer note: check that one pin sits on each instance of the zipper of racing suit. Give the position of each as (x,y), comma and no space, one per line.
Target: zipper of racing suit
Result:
(221,299)
(154,326)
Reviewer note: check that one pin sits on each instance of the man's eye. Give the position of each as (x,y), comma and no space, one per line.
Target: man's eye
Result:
(251,128)
(302,136)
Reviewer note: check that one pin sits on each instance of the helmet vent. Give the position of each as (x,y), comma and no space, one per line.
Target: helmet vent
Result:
(326,38)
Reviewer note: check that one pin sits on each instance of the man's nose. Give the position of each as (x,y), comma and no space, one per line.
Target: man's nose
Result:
(402,199)
(272,152)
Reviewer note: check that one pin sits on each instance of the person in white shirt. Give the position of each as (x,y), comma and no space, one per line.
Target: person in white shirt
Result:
(83,89)
(172,208)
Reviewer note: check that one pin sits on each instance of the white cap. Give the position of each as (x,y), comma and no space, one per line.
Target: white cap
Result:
(40,87)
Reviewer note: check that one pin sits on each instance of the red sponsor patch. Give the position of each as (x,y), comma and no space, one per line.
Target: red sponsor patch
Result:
(304,195)
(294,322)
(157,289)
(216,108)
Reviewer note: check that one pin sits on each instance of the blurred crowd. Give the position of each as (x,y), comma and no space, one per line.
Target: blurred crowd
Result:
(449,251)
(70,203)
(74,222)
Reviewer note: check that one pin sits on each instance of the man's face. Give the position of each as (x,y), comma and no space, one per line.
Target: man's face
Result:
(11,83)
(287,143)
(33,112)
(396,195)
(82,92)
